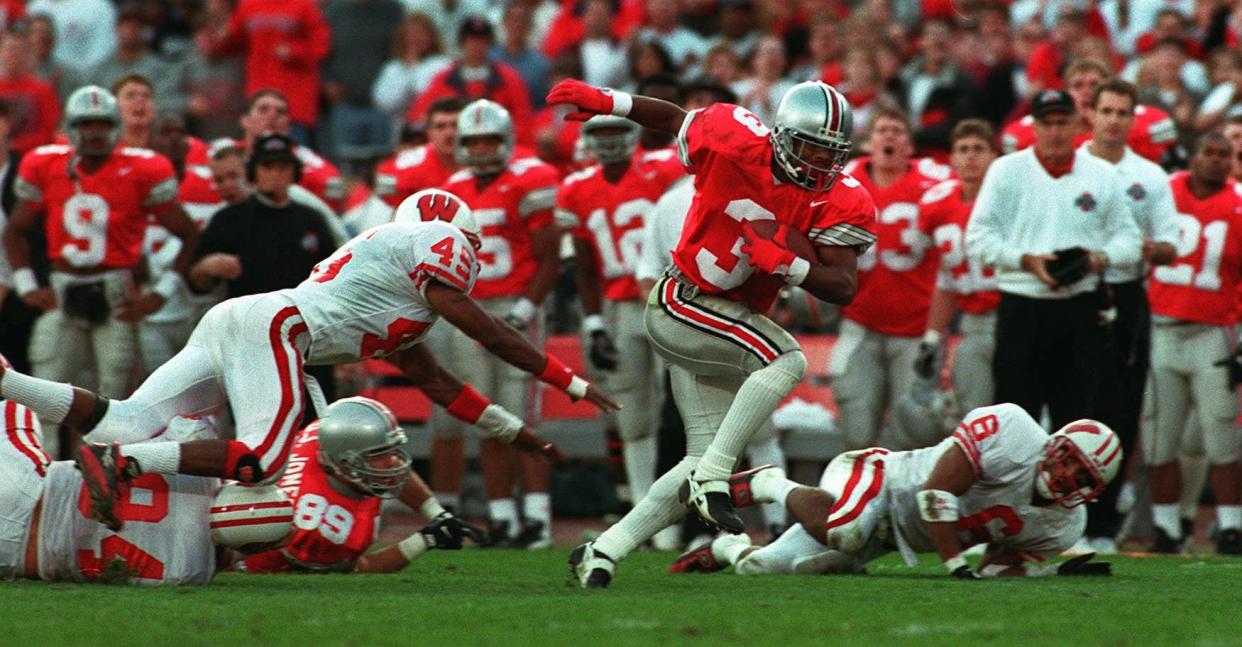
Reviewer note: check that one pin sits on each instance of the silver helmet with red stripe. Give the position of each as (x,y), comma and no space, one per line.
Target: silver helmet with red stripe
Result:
(482,119)
(92,103)
(811,134)
(361,444)
(1080,460)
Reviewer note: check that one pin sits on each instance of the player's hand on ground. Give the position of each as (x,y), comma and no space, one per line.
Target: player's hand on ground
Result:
(602,352)
(1037,264)
(766,255)
(589,99)
(222,266)
(1082,565)
(964,572)
(137,308)
(447,532)
(529,441)
(1234,364)
(43,299)
(600,399)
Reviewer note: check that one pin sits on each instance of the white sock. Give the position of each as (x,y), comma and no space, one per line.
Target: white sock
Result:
(431,508)
(1229,516)
(537,506)
(640,465)
(155,458)
(771,486)
(781,555)
(1166,517)
(728,548)
(652,514)
(448,499)
(754,404)
(49,400)
(500,510)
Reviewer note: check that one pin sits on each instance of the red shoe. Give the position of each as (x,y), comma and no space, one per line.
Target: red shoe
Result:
(104,470)
(739,486)
(699,560)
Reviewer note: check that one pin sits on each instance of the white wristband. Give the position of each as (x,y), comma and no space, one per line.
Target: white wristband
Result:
(168,285)
(577,388)
(431,508)
(798,270)
(497,422)
(955,562)
(413,546)
(592,323)
(622,103)
(24,281)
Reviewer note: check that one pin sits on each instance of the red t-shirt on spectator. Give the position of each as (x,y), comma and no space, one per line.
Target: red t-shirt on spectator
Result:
(34,111)
(503,85)
(1043,69)
(567,30)
(264,27)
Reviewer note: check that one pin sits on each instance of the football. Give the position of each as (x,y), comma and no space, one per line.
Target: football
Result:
(788,237)
(247,517)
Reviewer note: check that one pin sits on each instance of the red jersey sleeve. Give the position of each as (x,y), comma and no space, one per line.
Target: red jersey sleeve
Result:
(272,561)
(846,218)
(715,130)
(568,211)
(539,185)
(31,177)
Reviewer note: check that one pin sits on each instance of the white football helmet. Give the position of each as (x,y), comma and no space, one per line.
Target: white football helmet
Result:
(484,118)
(436,204)
(245,517)
(88,103)
(1088,443)
(812,114)
(609,149)
(361,444)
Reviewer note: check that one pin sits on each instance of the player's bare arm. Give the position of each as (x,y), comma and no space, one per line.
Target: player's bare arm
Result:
(545,244)
(22,223)
(835,277)
(647,112)
(1158,253)
(213,268)
(586,277)
(951,477)
(503,341)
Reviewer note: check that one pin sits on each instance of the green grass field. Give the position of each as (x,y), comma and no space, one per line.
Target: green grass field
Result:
(478,597)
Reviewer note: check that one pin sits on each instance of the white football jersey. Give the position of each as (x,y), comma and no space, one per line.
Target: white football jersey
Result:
(1005,446)
(165,539)
(368,298)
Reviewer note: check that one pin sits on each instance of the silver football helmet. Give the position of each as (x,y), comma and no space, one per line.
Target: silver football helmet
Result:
(927,414)
(361,444)
(483,118)
(88,103)
(610,149)
(1095,449)
(812,115)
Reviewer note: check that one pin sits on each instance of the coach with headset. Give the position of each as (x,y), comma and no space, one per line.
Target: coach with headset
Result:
(266,242)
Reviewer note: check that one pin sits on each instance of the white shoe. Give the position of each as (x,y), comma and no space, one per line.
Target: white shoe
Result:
(1103,546)
(975,551)
(1126,498)
(593,570)
(668,539)
(1080,547)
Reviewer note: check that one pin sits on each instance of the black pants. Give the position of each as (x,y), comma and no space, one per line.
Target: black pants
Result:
(1047,354)
(1118,397)
(16,321)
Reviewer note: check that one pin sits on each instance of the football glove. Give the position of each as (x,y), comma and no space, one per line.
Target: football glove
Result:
(602,352)
(964,572)
(447,532)
(771,257)
(588,99)
(1234,364)
(926,360)
(1070,266)
(1082,565)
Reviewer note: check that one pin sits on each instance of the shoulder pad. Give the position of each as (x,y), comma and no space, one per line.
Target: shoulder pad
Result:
(939,192)
(53,149)
(661,155)
(578,176)
(411,158)
(134,151)
(933,169)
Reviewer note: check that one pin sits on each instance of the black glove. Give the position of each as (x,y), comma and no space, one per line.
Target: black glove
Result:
(963,572)
(926,361)
(1070,265)
(602,353)
(446,532)
(1234,363)
(1082,565)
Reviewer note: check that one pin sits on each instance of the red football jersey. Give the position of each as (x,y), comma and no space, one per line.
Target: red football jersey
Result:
(1202,284)
(1152,134)
(330,530)
(943,214)
(611,216)
(729,151)
(413,170)
(516,203)
(896,276)
(96,220)
(320,177)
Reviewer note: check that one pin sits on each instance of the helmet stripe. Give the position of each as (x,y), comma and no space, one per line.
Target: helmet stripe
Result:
(830,112)
(1112,455)
(1108,440)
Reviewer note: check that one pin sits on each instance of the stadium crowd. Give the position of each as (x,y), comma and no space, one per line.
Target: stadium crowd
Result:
(263,134)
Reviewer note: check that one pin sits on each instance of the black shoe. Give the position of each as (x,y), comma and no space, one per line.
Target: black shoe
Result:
(1229,542)
(498,535)
(591,568)
(1165,544)
(711,501)
(532,537)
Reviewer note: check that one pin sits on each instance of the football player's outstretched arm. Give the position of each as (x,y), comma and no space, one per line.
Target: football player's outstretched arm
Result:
(508,344)
(22,221)
(937,501)
(835,278)
(647,112)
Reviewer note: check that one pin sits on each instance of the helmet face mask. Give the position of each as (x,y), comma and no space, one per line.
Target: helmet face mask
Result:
(611,148)
(361,444)
(1080,460)
(381,472)
(811,135)
(484,118)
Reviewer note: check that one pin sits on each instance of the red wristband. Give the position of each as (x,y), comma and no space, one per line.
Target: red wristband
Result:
(468,405)
(557,374)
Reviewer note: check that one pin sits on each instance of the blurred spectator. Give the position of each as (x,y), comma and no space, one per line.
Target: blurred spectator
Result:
(762,91)
(554,137)
(648,58)
(85,33)
(999,72)
(134,56)
(1048,58)
(1128,28)
(16,318)
(1167,66)
(723,64)
(284,42)
(474,76)
(542,15)
(1170,23)
(683,45)
(1233,132)
(33,109)
(215,84)
(862,85)
(267,111)
(602,55)
(135,97)
(362,35)
(172,26)
(11,11)
(1226,71)
(516,50)
(824,54)
(42,43)
(567,29)
(449,15)
(938,94)
(738,27)
(417,56)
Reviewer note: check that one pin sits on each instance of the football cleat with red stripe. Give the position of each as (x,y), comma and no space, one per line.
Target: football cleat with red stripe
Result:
(740,484)
(699,560)
(106,473)
(710,500)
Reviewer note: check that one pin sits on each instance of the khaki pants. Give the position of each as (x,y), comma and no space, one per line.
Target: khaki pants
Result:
(638,382)
(871,372)
(972,362)
(1183,379)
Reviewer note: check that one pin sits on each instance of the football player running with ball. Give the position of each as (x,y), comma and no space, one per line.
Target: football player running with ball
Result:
(999,480)
(730,364)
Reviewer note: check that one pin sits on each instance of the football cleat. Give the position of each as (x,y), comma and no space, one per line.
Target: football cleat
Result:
(699,560)
(105,471)
(1165,544)
(1229,542)
(710,500)
(739,484)
(591,568)
(534,536)
(497,535)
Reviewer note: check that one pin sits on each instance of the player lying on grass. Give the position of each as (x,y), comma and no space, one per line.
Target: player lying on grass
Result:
(999,480)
